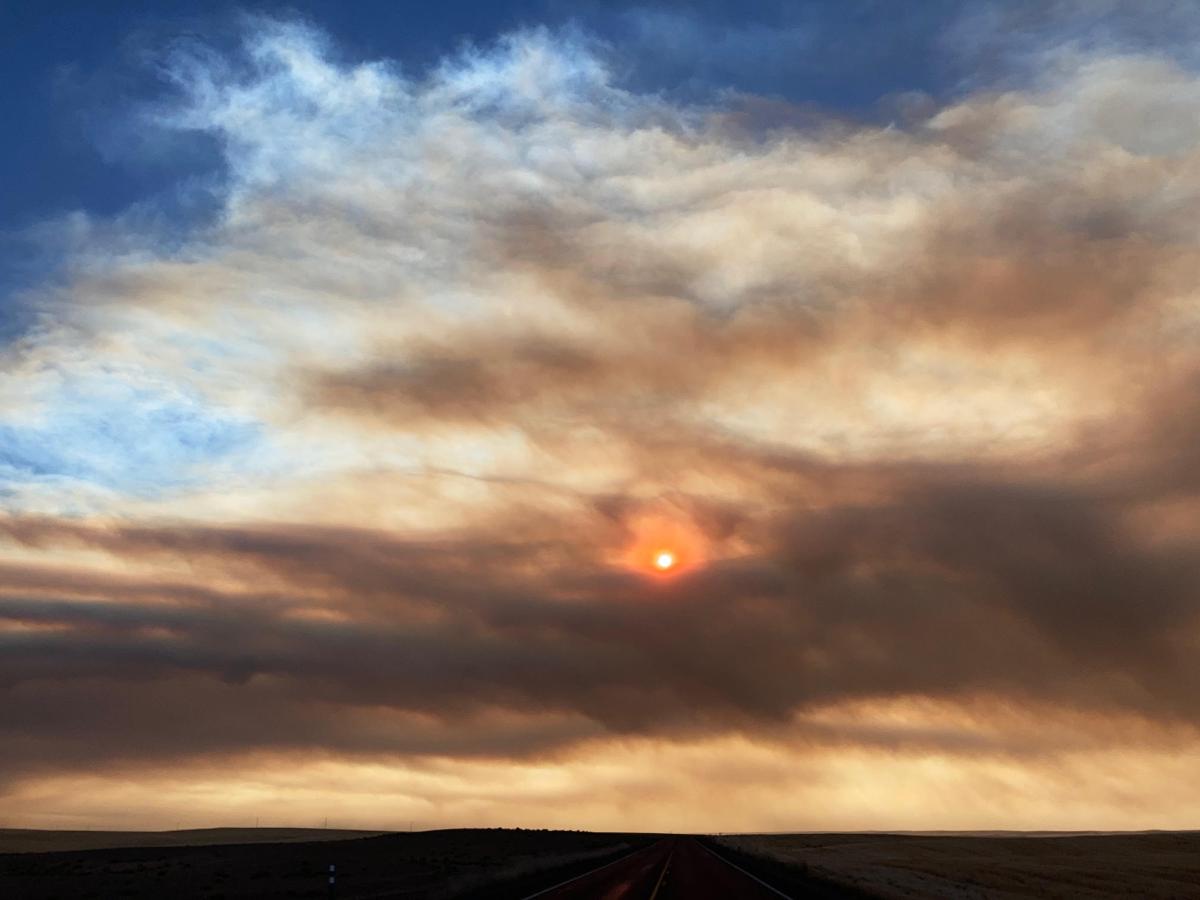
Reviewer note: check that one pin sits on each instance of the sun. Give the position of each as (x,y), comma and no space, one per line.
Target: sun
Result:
(663,546)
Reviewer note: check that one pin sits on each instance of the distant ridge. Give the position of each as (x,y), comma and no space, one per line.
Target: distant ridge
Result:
(35,840)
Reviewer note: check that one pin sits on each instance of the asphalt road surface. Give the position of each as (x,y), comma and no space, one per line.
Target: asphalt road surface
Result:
(671,869)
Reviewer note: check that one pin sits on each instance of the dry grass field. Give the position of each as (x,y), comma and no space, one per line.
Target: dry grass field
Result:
(1147,866)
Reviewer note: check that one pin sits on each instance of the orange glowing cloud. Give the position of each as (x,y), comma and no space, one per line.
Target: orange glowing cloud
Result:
(662,544)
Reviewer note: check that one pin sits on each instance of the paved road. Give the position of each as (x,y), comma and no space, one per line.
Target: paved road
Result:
(696,873)
(671,869)
(633,876)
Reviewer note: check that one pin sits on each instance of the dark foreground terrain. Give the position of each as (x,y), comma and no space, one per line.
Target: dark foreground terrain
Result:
(496,864)
(426,865)
(1147,866)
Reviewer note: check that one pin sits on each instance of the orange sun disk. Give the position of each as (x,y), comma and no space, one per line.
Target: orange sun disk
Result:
(664,546)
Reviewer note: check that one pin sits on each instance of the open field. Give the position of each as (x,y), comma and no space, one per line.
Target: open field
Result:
(1009,867)
(419,866)
(500,864)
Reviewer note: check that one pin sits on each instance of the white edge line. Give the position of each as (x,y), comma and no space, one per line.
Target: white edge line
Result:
(744,872)
(663,874)
(555,887)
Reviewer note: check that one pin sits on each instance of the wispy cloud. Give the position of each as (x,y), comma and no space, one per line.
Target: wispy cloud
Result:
(355,469)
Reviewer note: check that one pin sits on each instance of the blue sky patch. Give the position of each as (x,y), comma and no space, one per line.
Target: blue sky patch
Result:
(130,440)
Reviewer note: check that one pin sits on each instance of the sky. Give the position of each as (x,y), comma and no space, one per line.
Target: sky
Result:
(732,417)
